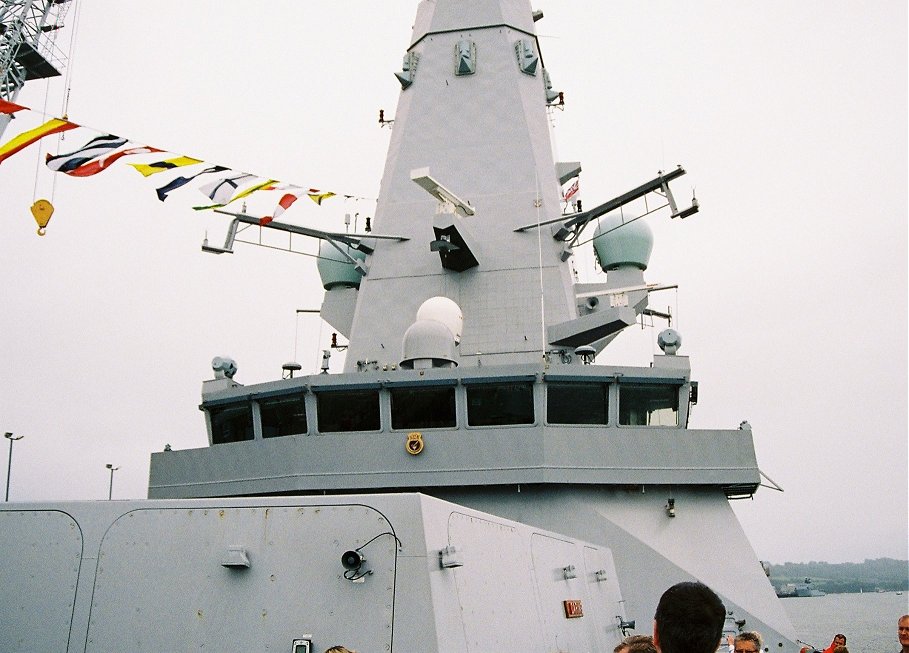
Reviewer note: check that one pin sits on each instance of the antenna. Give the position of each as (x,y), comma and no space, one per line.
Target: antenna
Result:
(446,197)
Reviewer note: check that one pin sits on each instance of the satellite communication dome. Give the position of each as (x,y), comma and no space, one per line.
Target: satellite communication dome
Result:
(335,269)
(444,310)
(428,343)
(618,244)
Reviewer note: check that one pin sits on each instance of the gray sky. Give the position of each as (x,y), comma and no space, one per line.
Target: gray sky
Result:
(791,119)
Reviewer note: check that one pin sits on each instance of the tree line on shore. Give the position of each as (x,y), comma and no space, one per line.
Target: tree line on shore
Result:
(835,578)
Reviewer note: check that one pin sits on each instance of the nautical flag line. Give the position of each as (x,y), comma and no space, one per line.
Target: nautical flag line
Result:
(101,151)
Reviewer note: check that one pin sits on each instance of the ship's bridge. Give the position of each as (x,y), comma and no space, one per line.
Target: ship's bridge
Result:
(447,427)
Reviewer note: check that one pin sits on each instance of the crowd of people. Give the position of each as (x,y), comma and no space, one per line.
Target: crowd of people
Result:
(689,619)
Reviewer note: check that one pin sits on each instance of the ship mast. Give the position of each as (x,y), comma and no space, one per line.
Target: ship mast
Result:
(28,51)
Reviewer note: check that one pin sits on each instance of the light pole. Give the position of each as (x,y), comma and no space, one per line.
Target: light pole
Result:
(9,468)
(110,492)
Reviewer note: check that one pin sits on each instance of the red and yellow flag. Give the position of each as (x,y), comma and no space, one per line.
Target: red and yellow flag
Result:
(25,139)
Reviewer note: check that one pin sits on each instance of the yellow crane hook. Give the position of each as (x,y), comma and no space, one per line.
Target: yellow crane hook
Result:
(42,210)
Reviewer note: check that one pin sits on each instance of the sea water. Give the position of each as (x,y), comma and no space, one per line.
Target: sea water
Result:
(868,620)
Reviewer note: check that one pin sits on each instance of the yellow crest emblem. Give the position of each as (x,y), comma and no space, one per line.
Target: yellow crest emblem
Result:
(414,444)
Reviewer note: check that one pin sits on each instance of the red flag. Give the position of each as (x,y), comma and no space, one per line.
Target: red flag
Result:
(283,204)
(9,107)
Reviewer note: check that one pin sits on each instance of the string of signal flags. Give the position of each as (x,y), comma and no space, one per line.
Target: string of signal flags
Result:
(221,185)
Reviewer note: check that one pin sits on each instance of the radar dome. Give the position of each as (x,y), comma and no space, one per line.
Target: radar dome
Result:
(444,310)
(618,244)
(334,269)
(428,343)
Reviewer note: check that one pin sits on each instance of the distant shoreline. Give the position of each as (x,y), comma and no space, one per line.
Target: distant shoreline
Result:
(881,575)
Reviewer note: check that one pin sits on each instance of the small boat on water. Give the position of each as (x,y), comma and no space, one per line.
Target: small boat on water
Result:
(799,590)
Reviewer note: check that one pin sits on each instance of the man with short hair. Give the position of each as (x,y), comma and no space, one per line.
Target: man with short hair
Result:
(689,619)
(902,630)
(748,642)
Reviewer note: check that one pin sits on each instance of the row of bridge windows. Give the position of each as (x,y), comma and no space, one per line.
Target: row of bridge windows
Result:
(417,408)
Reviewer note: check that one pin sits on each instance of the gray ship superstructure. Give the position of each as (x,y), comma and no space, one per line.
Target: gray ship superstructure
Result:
(473,480)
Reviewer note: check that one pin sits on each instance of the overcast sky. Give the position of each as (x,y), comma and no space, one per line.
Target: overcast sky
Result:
(791,119)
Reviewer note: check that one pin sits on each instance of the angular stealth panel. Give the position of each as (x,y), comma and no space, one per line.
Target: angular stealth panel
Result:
(465,57)
(409,70)
(528,60)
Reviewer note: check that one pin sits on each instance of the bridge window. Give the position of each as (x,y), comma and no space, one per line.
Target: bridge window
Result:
(648,405)
(577,403)
(348,411)
(231,423)
(283,416)
(500,404)
(422,408)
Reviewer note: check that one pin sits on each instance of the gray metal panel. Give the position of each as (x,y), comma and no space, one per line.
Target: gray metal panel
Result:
(294,555)
(551,556)
(434,17)
(40,572)
(652,551)
(152,577)
(470,456)
(496,564)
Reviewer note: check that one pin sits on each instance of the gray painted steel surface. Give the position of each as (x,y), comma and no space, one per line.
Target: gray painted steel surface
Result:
(151,576)
(543,512)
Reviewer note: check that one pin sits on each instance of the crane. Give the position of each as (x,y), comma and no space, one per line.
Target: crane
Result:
(28,49)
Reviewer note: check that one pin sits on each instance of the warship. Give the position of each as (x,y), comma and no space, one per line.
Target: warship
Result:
(474,479)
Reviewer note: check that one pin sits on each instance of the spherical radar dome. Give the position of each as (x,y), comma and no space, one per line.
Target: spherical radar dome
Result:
(446,311)
(618,244)
(334,269)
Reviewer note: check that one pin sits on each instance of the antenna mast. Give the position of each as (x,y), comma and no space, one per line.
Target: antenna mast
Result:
(28,30)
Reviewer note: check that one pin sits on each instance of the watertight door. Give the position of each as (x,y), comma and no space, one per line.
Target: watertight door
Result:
(243,579)
(38,578)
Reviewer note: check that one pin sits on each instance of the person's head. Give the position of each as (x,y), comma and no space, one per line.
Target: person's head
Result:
(636,644)
(338,649)
(902,629)
(689,619)
(748,642)
(840,649)
(839,639)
